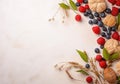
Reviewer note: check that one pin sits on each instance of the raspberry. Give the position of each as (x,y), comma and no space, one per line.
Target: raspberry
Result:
(112,1)
(115,35)
(103,64)
(78,18)
(115,11)
(101,41)
(89,79)
(119,38)
(82,9)
(98,58)
(118,3)
(96,29)
(87,6)
(80,1)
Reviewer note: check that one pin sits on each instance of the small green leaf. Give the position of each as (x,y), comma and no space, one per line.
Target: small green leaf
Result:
(118,19)
(64,6)
(74,7)
(106,55)
(83,55)
(83,72)
(114,56)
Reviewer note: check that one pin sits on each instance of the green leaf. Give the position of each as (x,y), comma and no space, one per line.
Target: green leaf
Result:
(83,72)
(74,7)
(64,6)
(106,55)
(114,56)
(118,19)
(83,55)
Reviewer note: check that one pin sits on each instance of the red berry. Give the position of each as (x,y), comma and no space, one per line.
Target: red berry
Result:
(82,9)
(101,41)
(115,11)
(119,38)
(115,35)
(89,79)
(96,29)
(112,1)
(103,64)
(118,3)
(87,6)
(98,58)
(80,1)
(78,18)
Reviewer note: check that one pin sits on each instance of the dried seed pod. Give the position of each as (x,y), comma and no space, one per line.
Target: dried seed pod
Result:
(111,45)
(97,5)
(110,75)
(109,20)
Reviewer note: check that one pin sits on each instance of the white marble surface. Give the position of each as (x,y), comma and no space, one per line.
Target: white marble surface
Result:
(30,46)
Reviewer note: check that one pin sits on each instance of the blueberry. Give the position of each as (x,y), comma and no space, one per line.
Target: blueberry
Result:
(77,4)
(103,34)
(95,21)
(108,37)
(88,11)
(97,50)
(85,1)
(102,15)
(87,66)
(114,28)
(91,16)
(90,22)
(101,46)
(86,14)
(104,28)
(108,10)
(96,14)
(100,23)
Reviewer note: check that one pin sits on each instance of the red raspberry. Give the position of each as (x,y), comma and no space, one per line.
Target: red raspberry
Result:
(82,9)
(89,79)
(78,18)
(119,38)
(101,41)
(112,1)
(103,64)
(118,3)
(115,35)
(96,29)
(87,6)
(80,1)
(115,11)
(98,58)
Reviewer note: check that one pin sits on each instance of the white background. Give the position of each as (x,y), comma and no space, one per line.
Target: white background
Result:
(30,46)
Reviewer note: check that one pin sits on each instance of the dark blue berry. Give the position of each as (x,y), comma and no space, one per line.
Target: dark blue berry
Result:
(102,15)
(97,50)
(95,21)
(77,4)
(109,32)
(104,28)
(86,14)
(103,34)
(114,28)
(90,22)
(108,10)
(91,16)
(85,1)
(100,23)
(87,66)
(101,46)
(88,11)
(96,14)
(108,37)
